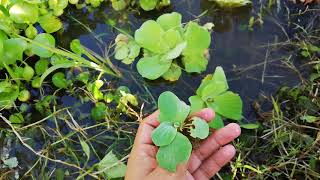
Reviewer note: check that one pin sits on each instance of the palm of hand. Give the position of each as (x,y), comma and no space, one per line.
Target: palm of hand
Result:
(204,162)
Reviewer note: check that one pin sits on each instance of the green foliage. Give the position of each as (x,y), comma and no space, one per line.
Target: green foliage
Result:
(98,113)
(45,39)
(50,23)
(164,134)
(24,95)
(111,166)
(24,12)
(232,3)
(59,80)
(213,92)
(163,41)
(201,128)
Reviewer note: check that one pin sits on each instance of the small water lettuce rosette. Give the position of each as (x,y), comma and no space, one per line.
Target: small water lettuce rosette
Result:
(176,125)
(166,43)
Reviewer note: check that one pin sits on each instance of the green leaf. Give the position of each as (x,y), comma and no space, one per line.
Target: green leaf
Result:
(122,52)
(44,39)
(50,23)
(220,76)
(112,167)
(164,134)
(196,104)
(13,51)
(232,3)
(59,80)
(179,151)
(228,105)
(119,5)
(310,119)
(76,46)
(11,162)
(198,38)
(153,67)
(173,74)
(176,52)
(201,128)
(194,63)
(24,95)
(23,12)
(215,88)
(217,122)
(149,36)
(41,66)
(172,109)
(85,148)
(250,126)
(16,118)
(31,32)
(170,21)
(28,73)
(148,5)
(98,113)
(172,38)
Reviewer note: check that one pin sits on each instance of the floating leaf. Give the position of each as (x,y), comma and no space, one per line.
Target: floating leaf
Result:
(198,38)
(28,73)
(31,32)
(232,3)
(122,52)
(173,74)
(164,134)
(201,128)
(214,89)
(228,105)
(196,103)
(194,63)
(41,66)
(50,23)
(24,95)
(250,126)
(13,50)
(148,5)
(177,152)
(172,109)
(23,12)
(59,80)
(46,40)
(176,52)
(172,38)
(217,122)
(153,67)
(112,167)
(119,5)
(170,21)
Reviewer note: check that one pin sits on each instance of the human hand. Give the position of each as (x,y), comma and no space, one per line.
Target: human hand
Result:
(205,161)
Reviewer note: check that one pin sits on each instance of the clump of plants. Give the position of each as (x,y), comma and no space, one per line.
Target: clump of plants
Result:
(166,43)
(146,5)
(176,125)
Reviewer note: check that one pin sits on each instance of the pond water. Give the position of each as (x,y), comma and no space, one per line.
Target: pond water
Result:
(254,67)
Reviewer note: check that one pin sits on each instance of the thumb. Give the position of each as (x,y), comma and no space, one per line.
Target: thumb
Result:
(182,171)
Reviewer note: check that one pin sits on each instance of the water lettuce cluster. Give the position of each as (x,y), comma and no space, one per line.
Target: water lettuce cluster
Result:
(171,136)
(166,43)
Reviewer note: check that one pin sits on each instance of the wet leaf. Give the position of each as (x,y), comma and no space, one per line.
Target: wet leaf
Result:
(176,52)
(164,134)
(217,122)
(173,38)
(194,63)
(228,105)
(23,12)
(153,67)
(59,80)
(198,38)
(112,167)
(201,128)
(170,21)
(177,152)
(173,74)
(46,40)
(148,5)
(196,104)
(50,23)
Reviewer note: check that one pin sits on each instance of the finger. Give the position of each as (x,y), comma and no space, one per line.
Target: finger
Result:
(145,129)
(217,139)
(206,114)
(214,163)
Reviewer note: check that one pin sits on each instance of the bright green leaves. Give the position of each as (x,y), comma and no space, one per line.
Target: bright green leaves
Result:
(201,128)
(23,12)
(232,3)
(111,167)
(126,49)
(50,23)
(217,122)
(9,92)
(164,134)
(153,67)
(213,92)
(41,66)
(198,41)
(98,113)
(165,40)
(148,5)
(172,109)
(59,80)
(31,32)
(13,50)
(47,41)
(28,73)
(175,153)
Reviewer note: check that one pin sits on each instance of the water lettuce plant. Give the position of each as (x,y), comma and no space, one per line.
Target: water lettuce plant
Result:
(171,136)
(166,43)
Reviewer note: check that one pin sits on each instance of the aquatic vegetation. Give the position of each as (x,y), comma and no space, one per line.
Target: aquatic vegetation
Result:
(170,135)
(146,5)
(163,41)
(232,3)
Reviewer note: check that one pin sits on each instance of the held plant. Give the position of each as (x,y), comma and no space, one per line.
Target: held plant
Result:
(171,136)
(163,41)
